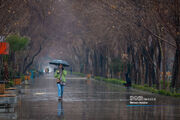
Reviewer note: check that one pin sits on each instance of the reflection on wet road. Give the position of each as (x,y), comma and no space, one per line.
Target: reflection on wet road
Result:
(84,100)
(7,108)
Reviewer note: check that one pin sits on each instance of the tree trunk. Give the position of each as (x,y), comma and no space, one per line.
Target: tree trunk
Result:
(176,67)
(32,60)
(164,66)
(158,66)
(176,70)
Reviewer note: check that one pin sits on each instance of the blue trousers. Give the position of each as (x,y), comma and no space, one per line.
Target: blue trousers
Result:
(60,89)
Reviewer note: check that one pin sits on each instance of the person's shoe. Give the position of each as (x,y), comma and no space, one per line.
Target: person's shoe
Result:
(59,98)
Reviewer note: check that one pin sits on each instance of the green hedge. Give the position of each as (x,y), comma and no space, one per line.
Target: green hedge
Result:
(79,74)
(153,90)
(140,87)
(10,84)
(111,80)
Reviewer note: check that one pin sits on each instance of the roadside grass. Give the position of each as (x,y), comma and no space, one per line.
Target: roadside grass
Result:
(10,84)
(145,88)
(111,80)
(153,90)
(140,87)
(79,74)
(135,86)
(11,81)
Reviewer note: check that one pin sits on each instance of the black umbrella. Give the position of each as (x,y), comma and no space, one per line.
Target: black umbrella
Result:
(58,62)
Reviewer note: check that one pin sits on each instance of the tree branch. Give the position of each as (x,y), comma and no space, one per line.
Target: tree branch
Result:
(173,45)
(32,60)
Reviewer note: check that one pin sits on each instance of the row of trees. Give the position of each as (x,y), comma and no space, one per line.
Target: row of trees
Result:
(103,37)
(22,18)
(142,35)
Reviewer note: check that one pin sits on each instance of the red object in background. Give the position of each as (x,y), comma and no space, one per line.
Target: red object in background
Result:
(4,48)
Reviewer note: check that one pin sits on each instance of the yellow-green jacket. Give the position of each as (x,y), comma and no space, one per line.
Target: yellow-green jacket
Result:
(64,73)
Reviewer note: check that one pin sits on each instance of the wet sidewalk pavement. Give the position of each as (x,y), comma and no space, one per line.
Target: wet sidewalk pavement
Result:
(84,100)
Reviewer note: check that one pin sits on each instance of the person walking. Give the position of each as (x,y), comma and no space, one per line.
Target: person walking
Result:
(71,70)
(60,75)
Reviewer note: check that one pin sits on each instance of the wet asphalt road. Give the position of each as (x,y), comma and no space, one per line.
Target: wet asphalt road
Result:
(85,100)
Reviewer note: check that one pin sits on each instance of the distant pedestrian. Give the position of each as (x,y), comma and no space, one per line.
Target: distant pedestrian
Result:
(60,74)
(128,80)
(71,70)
